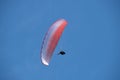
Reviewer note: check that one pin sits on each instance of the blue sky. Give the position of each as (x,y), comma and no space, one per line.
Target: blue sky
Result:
(91,39)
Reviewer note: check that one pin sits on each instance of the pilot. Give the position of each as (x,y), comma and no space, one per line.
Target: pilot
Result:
(61,52)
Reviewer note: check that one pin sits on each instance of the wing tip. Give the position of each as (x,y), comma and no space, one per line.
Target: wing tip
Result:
(45,62)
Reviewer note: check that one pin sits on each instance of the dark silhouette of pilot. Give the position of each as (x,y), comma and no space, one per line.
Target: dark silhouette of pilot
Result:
(61,52)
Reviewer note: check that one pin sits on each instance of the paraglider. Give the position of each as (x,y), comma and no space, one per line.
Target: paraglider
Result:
(51,39)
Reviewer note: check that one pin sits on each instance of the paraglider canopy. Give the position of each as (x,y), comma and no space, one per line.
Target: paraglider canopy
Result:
(51,39)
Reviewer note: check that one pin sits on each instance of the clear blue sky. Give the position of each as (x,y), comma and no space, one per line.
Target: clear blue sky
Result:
(91,39)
